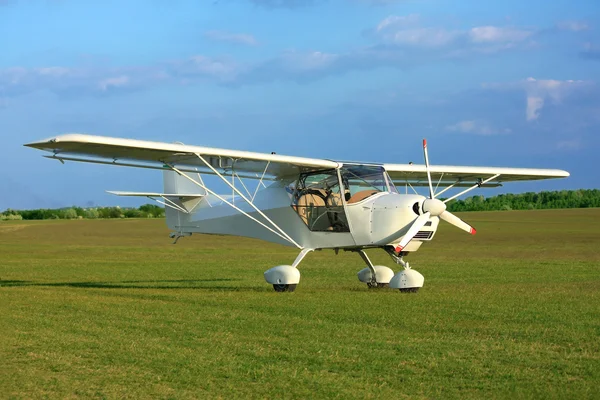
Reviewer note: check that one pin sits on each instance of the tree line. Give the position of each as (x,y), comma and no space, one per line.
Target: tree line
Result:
(582,198)
(145,211)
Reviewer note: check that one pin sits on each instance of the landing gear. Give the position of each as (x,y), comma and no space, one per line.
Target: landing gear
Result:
(375,276)
(284,288)
(178,235)
(285,278)
(376,285)
(407,280)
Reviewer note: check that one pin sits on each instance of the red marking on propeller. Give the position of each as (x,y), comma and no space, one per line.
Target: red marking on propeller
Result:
(473,231)
(424,142)
(399,249)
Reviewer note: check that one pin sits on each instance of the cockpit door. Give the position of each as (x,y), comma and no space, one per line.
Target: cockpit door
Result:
(362,185)
(317,199)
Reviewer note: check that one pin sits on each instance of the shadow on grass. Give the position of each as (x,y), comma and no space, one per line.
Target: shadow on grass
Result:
(14,283)
(145,284)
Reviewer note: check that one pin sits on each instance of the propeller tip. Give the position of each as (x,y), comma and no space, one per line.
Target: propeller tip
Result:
(473,231)
(424,142)
(399,249)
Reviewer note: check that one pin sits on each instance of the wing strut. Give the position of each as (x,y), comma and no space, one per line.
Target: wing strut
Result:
(261,180)
(447,188)
(284,236)
(287,237)
(475,186)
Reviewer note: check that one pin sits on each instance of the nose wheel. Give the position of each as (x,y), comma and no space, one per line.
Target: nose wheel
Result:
(408,280)
(280,288)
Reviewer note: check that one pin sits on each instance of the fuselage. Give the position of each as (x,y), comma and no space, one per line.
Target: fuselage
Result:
(328,210)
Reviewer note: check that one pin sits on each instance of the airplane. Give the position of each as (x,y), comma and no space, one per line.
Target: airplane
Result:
(310,204)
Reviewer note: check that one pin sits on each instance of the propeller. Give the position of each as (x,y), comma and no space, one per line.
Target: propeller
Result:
(432,207)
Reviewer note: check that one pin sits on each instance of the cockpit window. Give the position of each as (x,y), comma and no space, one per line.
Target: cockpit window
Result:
(318,201)
(362,181)
(391,185)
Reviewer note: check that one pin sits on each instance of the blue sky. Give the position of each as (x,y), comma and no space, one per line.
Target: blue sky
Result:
(509,83)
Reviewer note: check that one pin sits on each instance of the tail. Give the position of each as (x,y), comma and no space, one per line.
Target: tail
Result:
(181,197)
(184,195)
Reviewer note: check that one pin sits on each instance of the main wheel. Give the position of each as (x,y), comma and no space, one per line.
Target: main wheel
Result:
(284,288)
(377,285)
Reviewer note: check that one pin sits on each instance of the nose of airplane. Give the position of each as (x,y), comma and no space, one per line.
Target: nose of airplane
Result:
(434,206)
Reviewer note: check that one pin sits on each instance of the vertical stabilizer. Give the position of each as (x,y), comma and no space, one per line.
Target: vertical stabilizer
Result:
(191,196)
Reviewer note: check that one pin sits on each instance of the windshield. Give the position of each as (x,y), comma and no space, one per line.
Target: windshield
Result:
(362,181)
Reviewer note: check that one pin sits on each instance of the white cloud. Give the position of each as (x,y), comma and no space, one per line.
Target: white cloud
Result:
(118,81)
(238,38)
(309,61)
(591,51)
(305,3)
(381,2)
(538,90)
(79,80)
(573,144)
(406,30)
(428,37)
(410,31)
(284,3)
(534,106)
(476,127)
(395,21)
(574,26)
(196,67)
(53,71)
(494,34)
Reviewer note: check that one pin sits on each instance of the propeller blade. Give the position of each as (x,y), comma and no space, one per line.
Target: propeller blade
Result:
(459,223)
(427,168)
(418,224)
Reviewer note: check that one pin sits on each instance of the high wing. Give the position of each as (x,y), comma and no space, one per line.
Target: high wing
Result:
(148,154)
(117,151)
(444,175)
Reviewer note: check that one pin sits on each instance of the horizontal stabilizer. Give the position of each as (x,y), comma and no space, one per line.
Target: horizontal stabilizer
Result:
(150,194)
(184,202)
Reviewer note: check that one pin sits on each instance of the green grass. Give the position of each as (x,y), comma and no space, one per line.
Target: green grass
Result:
(110,309)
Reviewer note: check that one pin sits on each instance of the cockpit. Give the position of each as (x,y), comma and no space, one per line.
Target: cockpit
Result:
(319,197)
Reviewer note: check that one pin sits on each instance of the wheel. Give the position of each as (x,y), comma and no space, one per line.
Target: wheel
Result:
(377,285)
(409,290)
(284,288)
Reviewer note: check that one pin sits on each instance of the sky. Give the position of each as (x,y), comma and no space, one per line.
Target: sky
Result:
(508,84)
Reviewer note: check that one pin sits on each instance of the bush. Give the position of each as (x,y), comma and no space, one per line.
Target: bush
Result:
(91,213)
(69,213)
(133,213)
(10,217)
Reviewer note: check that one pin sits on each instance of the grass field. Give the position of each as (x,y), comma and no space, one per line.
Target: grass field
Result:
(110,309)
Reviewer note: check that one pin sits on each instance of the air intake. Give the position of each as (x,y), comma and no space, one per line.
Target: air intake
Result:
(423,235)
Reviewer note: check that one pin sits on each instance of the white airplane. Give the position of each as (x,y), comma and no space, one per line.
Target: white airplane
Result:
(312,204)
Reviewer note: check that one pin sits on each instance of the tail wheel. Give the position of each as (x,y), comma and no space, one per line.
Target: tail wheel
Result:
(284,288)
